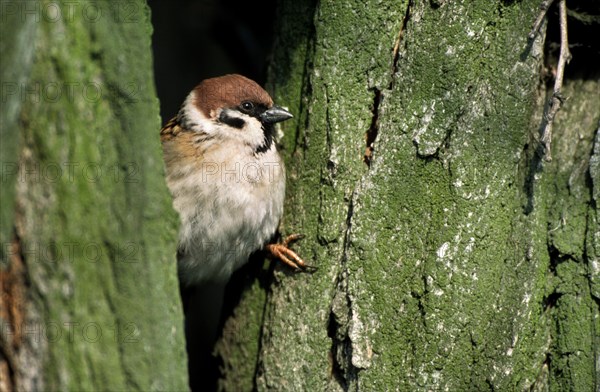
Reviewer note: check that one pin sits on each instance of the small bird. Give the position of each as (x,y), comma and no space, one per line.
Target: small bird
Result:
(226,177)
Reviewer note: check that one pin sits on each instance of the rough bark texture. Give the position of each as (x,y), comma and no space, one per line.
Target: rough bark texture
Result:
(88,274)
(450,256)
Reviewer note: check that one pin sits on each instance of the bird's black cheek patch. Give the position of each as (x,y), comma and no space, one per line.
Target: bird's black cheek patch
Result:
(235,122)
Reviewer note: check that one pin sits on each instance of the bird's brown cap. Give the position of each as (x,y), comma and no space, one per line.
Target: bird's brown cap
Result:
(227,92)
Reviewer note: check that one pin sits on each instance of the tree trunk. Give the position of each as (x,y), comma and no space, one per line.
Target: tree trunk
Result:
(450,255)
(88,274)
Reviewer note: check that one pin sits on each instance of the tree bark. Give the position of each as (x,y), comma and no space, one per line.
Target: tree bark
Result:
(450,256)
(88,273)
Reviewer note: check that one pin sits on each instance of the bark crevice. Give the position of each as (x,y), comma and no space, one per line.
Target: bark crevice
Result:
(378,93)
(396,50)
(373,130)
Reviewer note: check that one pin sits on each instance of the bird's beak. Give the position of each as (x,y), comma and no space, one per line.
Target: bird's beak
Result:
(274,115)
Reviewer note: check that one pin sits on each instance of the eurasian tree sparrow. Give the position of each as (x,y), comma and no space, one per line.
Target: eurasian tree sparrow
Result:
(226,177)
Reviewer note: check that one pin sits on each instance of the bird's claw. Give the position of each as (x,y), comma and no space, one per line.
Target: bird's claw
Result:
(282,252)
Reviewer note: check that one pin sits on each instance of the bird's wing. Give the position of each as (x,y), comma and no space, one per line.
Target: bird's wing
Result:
(170,130)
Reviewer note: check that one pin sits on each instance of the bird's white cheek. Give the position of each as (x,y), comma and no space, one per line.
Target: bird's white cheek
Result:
(251,133)
(253,128)
(196,120)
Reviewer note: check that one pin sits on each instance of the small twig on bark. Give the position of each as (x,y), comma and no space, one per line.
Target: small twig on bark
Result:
(538,21)
(557,99)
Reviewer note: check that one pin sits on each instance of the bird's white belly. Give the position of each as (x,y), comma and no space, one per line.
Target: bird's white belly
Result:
(228,217)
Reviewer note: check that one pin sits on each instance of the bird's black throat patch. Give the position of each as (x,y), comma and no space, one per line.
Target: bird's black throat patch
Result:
(268,132)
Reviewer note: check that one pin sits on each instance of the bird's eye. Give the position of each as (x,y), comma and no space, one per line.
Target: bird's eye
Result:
(247,105)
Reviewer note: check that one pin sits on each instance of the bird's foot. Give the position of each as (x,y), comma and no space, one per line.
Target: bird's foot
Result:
(282,252)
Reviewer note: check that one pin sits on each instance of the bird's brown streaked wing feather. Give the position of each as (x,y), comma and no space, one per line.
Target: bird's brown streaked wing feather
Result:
(180,145)
(170,130)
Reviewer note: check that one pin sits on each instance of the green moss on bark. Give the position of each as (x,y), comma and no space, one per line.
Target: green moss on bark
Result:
(94,216)
(571,305)
(462,99)
(438,265)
